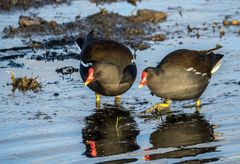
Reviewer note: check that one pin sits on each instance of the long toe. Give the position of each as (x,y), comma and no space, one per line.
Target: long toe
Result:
(159,107)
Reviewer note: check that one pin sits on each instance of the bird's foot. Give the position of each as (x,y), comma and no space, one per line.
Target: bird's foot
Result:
(117,100)
(160,106)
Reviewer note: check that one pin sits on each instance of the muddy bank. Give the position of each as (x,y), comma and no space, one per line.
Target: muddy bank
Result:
(133,30)
(25,4)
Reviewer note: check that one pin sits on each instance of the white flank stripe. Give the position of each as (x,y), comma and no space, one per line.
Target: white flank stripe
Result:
(204,74)
(78,46)
(189,69)
(216,67)
(85,64)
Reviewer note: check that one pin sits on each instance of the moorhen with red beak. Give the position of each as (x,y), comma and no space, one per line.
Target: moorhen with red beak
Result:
(182,75)
(107,67)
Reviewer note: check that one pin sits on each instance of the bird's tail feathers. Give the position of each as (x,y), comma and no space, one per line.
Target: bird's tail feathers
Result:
(217,61)
(89,36)
(218,46)
(81,41)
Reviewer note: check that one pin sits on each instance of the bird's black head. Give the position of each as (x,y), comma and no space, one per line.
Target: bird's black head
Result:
(146,75)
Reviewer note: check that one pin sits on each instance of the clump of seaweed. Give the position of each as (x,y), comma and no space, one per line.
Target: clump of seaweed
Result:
(24,83)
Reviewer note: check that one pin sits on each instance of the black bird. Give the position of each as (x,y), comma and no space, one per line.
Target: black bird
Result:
(107,67)
(182,75)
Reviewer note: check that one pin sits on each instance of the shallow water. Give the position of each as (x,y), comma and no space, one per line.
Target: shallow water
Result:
(43,128)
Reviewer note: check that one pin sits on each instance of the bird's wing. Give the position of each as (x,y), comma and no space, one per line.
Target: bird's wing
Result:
(189,60)
(107,51)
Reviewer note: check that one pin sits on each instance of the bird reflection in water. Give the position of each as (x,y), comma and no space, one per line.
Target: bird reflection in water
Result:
(180,131)
(102,137)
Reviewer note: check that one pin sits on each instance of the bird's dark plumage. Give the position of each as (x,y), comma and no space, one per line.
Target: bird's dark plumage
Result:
(183,74)
(113,63)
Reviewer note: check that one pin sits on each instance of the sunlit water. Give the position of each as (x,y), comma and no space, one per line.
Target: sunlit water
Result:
(43,128)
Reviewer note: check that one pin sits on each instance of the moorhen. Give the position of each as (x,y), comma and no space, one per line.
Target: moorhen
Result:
(107,67)
(182,75)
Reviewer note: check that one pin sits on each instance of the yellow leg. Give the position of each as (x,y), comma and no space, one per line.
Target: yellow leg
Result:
(97,100)
(117,100)
(198,103)
(159,106)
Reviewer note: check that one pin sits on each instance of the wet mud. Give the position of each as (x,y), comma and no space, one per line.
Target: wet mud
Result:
(26,4)
(133,30)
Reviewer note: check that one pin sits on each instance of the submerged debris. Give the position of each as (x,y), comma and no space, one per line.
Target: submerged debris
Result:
(133,2)
(66,70)
(13,64)
(56,94)
(40,115)
(25,83)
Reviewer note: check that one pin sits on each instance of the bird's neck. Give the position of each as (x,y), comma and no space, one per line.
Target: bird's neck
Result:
(153,80)
(111,78)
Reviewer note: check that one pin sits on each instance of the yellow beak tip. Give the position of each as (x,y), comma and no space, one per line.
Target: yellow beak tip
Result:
(140,86)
